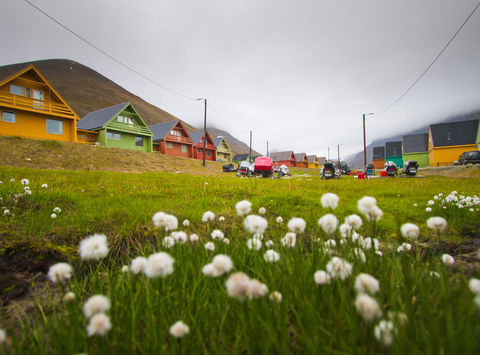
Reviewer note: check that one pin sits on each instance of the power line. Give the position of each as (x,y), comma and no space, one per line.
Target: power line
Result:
(108,55)
(431,64)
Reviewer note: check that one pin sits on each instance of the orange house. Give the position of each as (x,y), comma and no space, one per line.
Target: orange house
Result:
(283,158)
(31,107)
(301,160)
(210,149)
(172,138)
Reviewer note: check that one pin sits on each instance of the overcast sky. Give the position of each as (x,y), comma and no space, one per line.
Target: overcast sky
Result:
(298,73)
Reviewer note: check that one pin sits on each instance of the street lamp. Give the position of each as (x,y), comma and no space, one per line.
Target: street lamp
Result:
(204,130)
(364,141)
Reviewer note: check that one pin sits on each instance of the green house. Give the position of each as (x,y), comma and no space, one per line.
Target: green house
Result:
(415,147)
(393,152)
(119,126)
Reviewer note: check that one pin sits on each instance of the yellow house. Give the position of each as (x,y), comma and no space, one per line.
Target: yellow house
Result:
(224,153)
(446,141)
(312,161)
(30,106)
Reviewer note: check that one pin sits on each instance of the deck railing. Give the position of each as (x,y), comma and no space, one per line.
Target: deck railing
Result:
(27,103)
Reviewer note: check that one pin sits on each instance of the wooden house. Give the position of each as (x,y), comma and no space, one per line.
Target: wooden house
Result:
(393,152)
(198,144)
(321,162)
(118,126)
(446,141)
(224,153)
(172,138)
(379,157)
(415,147)
(31,107)
(312,161)
(280,158)
(301,160)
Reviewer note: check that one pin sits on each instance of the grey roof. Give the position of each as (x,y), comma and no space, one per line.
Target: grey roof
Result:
(281,156)
(240,157)
(160,130)
(379,152)
(393,149)
(300,157)
(321,160)
(196,136)
(454,133)
(311,158)
(99,118)
(415,143)
(217,141)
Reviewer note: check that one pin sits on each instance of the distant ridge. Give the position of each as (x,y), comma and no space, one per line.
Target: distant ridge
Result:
(236,145)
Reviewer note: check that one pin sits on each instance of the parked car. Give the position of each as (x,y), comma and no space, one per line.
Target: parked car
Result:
(390,168)
(471,157)
(344,169)
(263,166)
(330,171)
(369,170)
(243,168)
(461,159)
(283,170)
(229,168)
(410,168)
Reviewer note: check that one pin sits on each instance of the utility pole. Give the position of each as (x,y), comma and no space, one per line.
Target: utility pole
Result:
(338,148)
(250,153)
(204,130)
(267,148)
(364,141)
(328,153)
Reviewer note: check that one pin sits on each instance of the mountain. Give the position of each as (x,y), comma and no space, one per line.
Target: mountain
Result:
(236,145)
(86,90)
(355,161)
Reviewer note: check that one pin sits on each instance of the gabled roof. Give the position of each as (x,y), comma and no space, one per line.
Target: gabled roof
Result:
(99,118)
(10,70)
(240,157)
(415,143)
(197,136)
(312,158)
(379,152)
(454,133)
(300,157)
(281,156)
(160,130)
(321,160)
(393,149)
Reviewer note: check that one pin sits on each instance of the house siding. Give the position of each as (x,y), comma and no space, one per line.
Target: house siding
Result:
(420,158)
(378,163)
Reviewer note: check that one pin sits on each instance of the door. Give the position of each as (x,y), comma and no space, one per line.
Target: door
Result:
(38,99)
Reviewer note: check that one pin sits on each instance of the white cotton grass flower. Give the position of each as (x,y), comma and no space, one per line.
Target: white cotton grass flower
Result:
(237,285)
(26,188)
(222,264)
(434,274)
(269,243)
(254,244)
(139,264)
(210,246)
(243,207)
(217,234)
(476,300)
(44,186)
(179,237)
(321,277)
(12,180)
(221,219)
(474,285)
(25,182)
(28,192)
(3,336)
(94,247)
(331,243)
(6,212)
(209,270)
(448,259)
(53,216)
(168,242)
(57,210)
(415,205)
(164,220)
(375,214)
(279,220)
(194,238)
(69,296)
(345,230)
(355,221)
(328,223)
(99,325)
(437,223)
(256,289)
(367,307)
(297,225)
(359,254)
(257,236)
(384,332)
(428,209)
(271,256)
(159,264)
(255,224)
(379,253)
(60,272)
(179,329)
(276,296)
(398,318)
(262,210)
(125,268)
(366,204)
(329,200)
(431,203)
(404,247)
(186,223)
(338,268)
(96,304)
(208,216)
(289,240)
(410,231)
(226,240)
(365,283)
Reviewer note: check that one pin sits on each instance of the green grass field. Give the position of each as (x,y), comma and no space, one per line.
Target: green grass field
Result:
(442,316)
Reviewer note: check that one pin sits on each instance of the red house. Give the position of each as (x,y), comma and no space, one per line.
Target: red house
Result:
(172,138)
(280,158)
(301,160)
(210,149)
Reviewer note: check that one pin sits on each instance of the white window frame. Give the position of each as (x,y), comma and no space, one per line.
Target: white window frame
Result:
(13,86)
(184,148)
(140,139)
(58,131)
(169,145)
(14,115)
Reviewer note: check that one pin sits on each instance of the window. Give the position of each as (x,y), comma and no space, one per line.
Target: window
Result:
(209,152)
(27,92)
(170,145)
(199,150)
(139,141)
(184,148)
(83,137)
(54,126)
(176,133)
(16,90)
(109,135)
(123,119)
(9,117)
(120,119)
(38,94)
(449,136)
(114,136)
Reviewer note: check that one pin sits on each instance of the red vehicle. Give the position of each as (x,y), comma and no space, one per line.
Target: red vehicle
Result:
(263,166)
